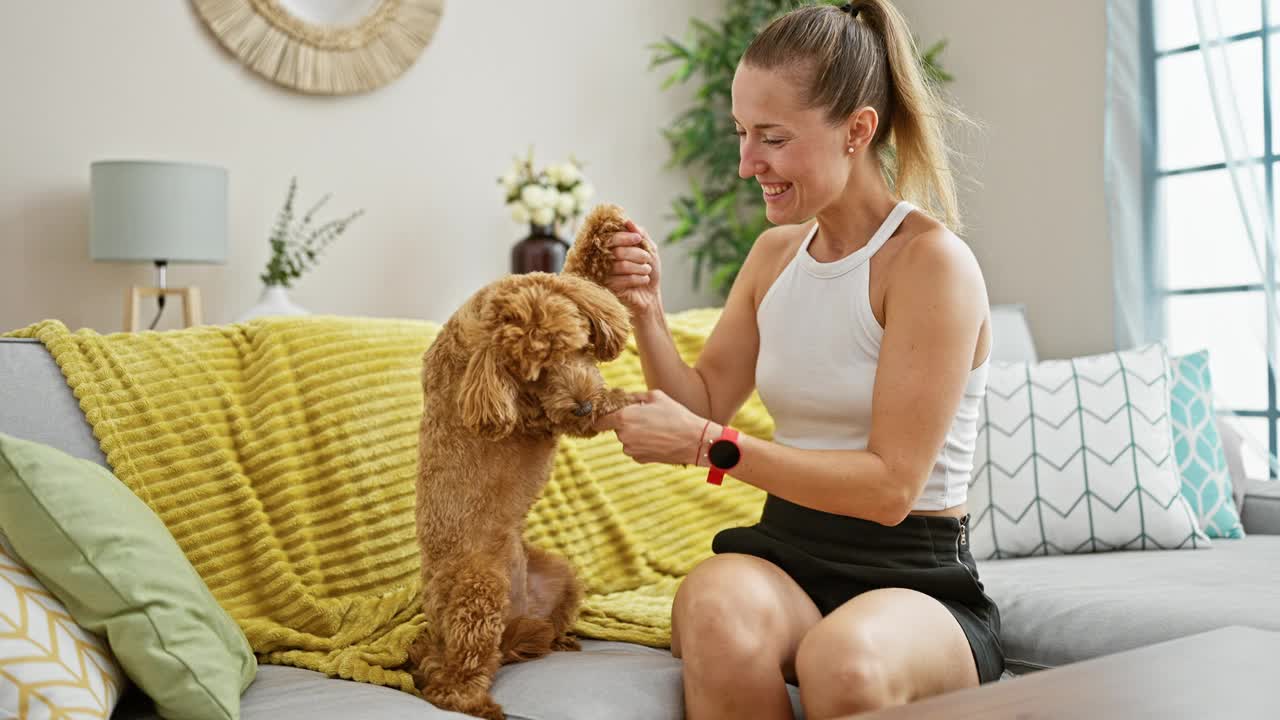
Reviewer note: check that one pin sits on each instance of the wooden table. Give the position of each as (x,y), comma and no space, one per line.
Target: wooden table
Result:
(1231,673)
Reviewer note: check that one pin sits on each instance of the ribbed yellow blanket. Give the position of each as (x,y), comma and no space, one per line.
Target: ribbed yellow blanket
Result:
(281,455)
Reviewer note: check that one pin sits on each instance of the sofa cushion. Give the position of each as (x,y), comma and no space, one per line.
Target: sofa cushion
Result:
(49,666)
(36,403)
(289,693)
(1060,609)
(615,680)
(1200,452)
(1260,510)
(1075,456)
(1011,339)
(103,553)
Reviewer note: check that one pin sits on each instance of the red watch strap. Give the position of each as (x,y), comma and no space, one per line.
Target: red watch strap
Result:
(715,475)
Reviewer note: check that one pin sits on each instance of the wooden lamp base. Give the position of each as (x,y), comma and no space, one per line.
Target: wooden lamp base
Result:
(133,300)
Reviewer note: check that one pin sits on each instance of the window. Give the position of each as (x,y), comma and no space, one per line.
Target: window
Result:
(1203,274)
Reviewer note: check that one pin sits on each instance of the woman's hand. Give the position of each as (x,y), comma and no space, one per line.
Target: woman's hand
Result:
(656,429)
(636,269)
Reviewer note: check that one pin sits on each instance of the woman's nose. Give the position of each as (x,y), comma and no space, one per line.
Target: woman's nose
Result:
(749,167)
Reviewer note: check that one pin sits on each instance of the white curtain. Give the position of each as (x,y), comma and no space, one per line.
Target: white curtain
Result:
(1128,146)
(1134,211)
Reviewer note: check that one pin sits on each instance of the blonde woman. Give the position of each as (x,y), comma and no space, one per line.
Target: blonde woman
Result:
(863,321)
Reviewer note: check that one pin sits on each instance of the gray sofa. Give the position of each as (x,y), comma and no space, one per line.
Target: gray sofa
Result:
(1055,610)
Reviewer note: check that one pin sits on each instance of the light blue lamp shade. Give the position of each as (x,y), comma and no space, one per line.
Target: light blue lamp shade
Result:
(147,211)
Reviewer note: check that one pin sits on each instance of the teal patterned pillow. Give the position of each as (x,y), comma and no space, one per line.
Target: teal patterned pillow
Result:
(1202,460)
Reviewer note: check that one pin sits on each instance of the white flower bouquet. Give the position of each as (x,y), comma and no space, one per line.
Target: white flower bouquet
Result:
(550,197)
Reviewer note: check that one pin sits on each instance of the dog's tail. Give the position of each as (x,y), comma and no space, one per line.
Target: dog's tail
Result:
(526,638)
(589,257)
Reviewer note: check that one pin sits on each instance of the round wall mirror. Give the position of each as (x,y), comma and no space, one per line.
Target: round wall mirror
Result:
(326,47)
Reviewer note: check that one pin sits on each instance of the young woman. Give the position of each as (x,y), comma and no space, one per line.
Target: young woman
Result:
(863,322)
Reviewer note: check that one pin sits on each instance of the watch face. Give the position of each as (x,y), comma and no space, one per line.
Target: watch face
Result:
(724,454)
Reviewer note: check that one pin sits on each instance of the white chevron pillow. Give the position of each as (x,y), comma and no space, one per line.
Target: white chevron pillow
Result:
(50,667)
(1076,456)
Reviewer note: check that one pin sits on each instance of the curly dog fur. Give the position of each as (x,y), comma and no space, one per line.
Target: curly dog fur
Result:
(513,369)
(588,257)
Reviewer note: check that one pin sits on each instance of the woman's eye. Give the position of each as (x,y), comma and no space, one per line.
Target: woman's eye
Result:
(772,141)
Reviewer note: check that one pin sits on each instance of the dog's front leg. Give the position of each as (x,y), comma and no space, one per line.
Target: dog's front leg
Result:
(468,627)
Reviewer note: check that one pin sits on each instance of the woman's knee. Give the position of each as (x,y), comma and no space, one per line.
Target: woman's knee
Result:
(729,607)
(844,668)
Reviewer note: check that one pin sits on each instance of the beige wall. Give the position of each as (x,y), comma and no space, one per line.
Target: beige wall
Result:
(85,81)
(89,80)
(1033,73)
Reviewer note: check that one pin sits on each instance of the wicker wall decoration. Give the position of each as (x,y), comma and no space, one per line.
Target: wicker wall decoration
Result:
(324,47)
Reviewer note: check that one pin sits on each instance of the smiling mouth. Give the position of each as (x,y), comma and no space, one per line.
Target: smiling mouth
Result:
(774,190)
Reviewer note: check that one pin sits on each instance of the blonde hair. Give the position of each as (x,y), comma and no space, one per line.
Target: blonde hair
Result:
(864,55)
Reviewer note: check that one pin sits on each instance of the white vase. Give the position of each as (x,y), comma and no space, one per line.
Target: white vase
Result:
(274,301)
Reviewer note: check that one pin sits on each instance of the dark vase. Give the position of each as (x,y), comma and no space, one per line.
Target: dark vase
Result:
(541,251)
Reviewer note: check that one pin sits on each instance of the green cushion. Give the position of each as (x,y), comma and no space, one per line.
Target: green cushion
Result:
(112,562)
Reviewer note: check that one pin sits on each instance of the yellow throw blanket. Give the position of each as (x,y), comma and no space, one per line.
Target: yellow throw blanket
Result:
(282,456)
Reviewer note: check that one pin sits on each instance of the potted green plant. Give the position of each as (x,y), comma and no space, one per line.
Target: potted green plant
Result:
(721,215)
(296,245)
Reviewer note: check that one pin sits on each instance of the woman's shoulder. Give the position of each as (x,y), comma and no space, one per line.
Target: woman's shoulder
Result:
(932,261)
(769,256)
(927,245)
(778,244)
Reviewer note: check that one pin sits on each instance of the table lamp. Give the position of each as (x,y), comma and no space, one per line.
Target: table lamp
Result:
(158,212)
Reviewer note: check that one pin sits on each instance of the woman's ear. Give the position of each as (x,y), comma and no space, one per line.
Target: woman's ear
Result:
(608,317)
(861,129)
(488,396)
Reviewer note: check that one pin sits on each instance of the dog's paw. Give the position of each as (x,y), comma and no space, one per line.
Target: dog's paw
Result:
(615,399)
(566,643)
(463,698)
(489,711)
(483,707)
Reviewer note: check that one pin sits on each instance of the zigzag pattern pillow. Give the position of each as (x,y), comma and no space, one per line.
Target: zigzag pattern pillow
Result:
(1076,456)
(1202,459)
(50,667)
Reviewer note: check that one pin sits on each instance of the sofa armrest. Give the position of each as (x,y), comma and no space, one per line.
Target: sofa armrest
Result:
(1260,511)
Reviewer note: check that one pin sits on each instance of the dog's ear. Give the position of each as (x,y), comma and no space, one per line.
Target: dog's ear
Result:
(488,395)
(608,317)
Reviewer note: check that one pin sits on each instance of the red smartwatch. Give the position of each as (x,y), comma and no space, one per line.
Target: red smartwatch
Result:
(723,455)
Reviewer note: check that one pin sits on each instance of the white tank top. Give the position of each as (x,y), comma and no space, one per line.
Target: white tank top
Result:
(819,345)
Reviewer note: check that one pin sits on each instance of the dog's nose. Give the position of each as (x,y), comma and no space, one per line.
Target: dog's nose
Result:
(584,409)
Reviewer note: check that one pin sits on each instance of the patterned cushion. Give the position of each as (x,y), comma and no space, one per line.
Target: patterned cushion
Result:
(1202,460)
(1075,456)
(113,563)
(49,666)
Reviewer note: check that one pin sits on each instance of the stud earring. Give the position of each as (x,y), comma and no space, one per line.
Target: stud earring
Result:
(850,148)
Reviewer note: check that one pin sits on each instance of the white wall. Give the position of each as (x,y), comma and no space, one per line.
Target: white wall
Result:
(1033,73)
(84,81)
(143,79)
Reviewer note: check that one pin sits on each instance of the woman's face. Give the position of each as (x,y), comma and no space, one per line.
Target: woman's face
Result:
(801,161)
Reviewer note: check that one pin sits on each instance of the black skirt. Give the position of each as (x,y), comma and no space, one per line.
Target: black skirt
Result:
(835,558)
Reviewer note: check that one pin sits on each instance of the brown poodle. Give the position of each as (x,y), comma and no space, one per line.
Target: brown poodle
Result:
(512,370)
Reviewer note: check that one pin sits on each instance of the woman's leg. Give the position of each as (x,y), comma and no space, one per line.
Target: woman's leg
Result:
(884,647)
(736,622)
